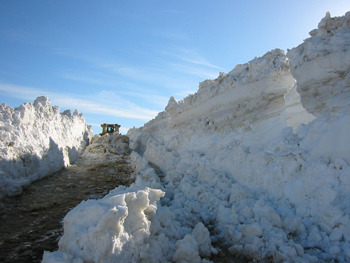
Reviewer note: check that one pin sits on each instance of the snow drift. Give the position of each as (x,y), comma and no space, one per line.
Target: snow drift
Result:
(37,140)
(255,162)
(111,228)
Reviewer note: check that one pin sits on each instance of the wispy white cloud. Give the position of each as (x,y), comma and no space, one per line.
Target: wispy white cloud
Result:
(21,92)
(199,61)
(166,75)
(149,96)
(190,70)
(191,57)
(188,55)
(135,80)
(104,103)
(157,76)
(126,87)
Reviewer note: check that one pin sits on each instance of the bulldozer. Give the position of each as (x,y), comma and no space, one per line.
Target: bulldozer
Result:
(109,128)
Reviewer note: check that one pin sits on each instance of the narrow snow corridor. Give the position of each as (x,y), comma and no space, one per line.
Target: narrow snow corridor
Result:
(255,165)
(31,222)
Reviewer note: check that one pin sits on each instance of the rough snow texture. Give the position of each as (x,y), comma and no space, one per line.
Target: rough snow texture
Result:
(37,140)
(243,158)
(325,56)
(112,229)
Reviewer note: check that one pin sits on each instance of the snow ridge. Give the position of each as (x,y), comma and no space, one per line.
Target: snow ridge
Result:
(37,140)
(244,157)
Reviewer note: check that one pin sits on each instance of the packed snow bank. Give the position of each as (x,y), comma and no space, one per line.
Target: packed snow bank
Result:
(36,140)
(112,229)
(244,166)
(243,156)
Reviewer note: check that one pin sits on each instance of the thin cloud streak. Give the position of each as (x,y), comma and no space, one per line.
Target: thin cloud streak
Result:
(160,76)
(194,60)
(155,99)
(201,62)
(188,55)
(121,86)
(125,108)
(194,71)
(20,92)
(126,77)
(142,73)
(150,75)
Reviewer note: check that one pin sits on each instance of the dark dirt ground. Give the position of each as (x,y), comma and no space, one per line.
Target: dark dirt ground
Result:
(32,222)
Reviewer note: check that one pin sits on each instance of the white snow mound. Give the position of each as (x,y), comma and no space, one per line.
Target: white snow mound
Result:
(37,140)
(113,229)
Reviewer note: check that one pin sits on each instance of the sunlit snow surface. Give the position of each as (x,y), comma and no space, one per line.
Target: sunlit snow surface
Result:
(37,140)
(249,164)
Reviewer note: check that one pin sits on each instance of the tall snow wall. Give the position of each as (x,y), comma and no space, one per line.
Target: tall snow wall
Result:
(267,142)
(228,124)
(37,140)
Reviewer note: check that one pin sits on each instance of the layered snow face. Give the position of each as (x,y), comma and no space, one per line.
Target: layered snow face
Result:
(248,98)
(253,96)
(37,140)
(246,159)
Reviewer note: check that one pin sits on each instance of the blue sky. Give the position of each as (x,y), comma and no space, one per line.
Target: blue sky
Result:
(120,61)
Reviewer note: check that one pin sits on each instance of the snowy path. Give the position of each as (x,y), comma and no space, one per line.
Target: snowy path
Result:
(31,223)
